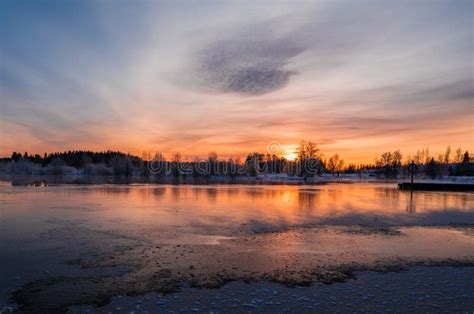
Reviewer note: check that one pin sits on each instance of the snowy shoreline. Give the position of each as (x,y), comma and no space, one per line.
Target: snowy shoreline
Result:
(271,179)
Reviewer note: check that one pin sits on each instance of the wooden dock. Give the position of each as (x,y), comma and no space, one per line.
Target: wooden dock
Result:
(426,186)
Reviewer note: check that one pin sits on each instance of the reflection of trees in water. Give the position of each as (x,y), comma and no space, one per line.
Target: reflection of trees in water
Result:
(115,190)
(306,200)
(259,193)
(391,193)
(458,200)
(445,200)
(296,197)
(301,199)
(463,200)
(231,192)
(429,201)
(323,198)
(329,197)
(333,195)
(411,208)
(129,192)
(254,193)
(197,193)
(159,192)
(226,194)
(176,193)
(211,194)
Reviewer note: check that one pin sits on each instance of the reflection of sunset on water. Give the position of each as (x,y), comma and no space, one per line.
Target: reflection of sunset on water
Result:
(211,234)
(229,209)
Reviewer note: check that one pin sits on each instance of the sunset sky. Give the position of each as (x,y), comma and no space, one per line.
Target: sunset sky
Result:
(356,77)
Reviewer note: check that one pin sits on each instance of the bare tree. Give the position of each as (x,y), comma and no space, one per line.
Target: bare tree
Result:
(312,150)
(390,162)
(309,159)
(418,158)
(301,150)
(175,165)
(396,158)
(427,155)
(307,150)
(335,164)
(212,159)
(440,158)
(447,155)
(458,155)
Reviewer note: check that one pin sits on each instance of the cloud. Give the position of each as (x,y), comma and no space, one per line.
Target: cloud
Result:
(358,77)
(246,66)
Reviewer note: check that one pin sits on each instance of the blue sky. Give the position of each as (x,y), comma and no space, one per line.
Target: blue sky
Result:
(357,77)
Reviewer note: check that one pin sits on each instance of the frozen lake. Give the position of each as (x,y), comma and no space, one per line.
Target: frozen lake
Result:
(205,234)
(226,209)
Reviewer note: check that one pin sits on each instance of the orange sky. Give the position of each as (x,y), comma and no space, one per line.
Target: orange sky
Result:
(355,78)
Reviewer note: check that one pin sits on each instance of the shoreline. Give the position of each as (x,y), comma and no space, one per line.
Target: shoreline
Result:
(451,183)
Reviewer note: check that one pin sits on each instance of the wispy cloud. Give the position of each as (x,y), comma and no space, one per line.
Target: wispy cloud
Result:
(362,76)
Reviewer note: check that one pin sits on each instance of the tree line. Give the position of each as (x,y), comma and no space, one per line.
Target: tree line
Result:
(310,162)
(389,164)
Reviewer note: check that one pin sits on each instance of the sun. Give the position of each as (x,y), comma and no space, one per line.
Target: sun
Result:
(290,156)
(289,152)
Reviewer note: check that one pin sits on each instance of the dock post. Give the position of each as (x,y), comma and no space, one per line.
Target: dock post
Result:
(412,168)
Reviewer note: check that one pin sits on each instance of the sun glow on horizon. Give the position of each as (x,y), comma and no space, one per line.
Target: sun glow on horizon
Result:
(289,152)
(290,156)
